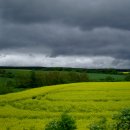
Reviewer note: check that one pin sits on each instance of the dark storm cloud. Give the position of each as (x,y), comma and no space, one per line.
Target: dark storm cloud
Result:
(83,13)
(65,28)
(64,40)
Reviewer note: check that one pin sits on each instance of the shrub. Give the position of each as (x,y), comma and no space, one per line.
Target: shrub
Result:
(122,120)
(65,122)
(53,125)
(109,79)
(127,78)
(101,125)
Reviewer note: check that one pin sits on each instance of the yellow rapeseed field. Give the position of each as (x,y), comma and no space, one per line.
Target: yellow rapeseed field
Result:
(86,102)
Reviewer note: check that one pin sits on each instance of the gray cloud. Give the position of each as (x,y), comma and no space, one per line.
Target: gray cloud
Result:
(58,39)
(65,28)
(83,13)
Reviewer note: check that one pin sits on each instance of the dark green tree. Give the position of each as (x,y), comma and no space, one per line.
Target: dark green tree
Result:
(33,80)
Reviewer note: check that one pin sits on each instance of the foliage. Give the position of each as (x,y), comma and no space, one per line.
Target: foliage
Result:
(102,71)
(4,73)
(109,79)
(53,125)
(33,80)
(66,122)
(38,79)
(123,120)
(100,125)
(127,78)
(7,87)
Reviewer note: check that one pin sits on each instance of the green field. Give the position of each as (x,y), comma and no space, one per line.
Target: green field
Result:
(100,77)
(21,73)
(92,76)
(86,102)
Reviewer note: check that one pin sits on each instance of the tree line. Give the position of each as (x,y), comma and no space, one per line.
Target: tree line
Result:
(24,79)
(37,79)
(88,70)
(13,82)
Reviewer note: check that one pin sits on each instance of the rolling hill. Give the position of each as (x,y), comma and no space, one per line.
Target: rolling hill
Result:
(86,102)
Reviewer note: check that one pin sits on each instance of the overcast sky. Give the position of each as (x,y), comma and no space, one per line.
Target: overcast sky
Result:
(67,33)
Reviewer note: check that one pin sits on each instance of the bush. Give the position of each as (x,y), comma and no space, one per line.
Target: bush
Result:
(109,79)
(65,122)
(101,125)
(122,120)
(127,78)
(53,125)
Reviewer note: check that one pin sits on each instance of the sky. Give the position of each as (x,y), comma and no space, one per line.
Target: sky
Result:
(65,33)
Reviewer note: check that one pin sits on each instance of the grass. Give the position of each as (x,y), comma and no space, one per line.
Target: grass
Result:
(99,77)
(87,102)
(125,72)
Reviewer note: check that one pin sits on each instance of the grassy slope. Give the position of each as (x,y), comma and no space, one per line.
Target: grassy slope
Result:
(98,77)
(85,101)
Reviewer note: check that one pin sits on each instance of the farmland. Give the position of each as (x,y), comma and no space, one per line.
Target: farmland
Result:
(12,80)
(86,102)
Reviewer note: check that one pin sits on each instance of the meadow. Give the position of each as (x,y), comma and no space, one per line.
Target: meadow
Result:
(86,102)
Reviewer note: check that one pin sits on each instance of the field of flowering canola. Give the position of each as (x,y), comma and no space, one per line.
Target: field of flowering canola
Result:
(86,102)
